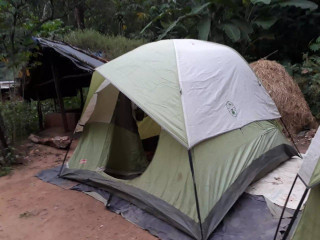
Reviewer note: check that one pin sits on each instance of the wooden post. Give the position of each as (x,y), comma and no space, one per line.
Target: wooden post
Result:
(3,139)
(39,110)
(59,97)
(55,104)
(40,115)
(81,98)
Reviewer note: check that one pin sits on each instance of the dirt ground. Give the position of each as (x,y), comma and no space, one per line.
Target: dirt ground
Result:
(32,209)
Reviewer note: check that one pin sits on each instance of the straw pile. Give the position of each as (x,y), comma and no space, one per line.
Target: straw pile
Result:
(286,94)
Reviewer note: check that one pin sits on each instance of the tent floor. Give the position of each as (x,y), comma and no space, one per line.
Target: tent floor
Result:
(249,218)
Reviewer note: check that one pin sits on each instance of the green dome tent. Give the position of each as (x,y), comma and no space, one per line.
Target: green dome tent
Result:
(216,127)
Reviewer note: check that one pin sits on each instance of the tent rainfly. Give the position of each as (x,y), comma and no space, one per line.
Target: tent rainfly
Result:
(215,122)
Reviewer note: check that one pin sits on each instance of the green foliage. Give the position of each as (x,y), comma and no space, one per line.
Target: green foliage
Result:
(307,76)
(8,157)
(309,5)
(111,46)
(52,29)
(315,47)
(245,25)
(72,103)
(20,119)
(5,170)
(19,21)
(254,27)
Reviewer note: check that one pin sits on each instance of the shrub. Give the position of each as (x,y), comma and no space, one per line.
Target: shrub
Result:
(307,76)
(19,118)
(93,41)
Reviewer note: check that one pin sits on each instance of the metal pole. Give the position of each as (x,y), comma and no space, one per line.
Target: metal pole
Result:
(65,156)
(286,234)
(291,137)
(284,207)
(195,192)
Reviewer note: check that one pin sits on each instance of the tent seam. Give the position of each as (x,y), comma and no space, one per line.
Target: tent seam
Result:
(181,94)
(151,116)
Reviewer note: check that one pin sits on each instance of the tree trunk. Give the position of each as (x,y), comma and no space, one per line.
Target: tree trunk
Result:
(40,115)
(3,140)
(79,16)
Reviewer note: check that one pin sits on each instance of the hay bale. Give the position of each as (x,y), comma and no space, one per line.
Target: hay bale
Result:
(286,94)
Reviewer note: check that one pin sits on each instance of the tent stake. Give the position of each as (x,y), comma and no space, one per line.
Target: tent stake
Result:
(195,192)
(286,234)
(109,201)
(284,207)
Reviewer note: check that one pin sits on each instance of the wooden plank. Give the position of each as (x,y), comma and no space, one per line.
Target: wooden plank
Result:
(40,115)
(44,83)
(3,139)
(76,76)
(39,110)
(81,98)
(59,97)
(68,77)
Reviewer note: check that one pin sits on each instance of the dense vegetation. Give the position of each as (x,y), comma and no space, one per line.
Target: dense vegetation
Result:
(284,30)
(255,28)
(307,75)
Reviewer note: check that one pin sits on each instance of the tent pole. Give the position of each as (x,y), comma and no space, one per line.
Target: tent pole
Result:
(195,191)
(65,156)
(284,207)
(291,137)
(286,234)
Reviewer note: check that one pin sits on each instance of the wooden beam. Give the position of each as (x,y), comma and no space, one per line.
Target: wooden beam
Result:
(40,115)
(68,77)
(39,110)
(55,104)
(44,83)
(59,96)
(81,98)
(76,76)
(3,139)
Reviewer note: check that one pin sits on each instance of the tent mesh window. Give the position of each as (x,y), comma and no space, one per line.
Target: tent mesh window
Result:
(129,154)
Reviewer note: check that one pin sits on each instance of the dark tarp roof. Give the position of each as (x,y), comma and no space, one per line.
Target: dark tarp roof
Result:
(73,67)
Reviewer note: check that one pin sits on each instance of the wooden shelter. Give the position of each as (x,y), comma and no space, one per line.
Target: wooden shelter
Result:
(58,70)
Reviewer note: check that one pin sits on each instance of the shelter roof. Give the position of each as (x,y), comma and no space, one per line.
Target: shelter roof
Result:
(72,66)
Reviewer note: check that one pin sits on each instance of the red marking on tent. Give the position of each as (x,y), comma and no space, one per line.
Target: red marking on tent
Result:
(83,161)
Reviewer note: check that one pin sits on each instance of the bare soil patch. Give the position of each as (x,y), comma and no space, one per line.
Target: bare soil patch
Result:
(32,209)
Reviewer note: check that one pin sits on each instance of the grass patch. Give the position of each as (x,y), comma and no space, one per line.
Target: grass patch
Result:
(5,170)
(111,46)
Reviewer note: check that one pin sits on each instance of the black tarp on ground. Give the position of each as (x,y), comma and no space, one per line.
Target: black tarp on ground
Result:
(249,218)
